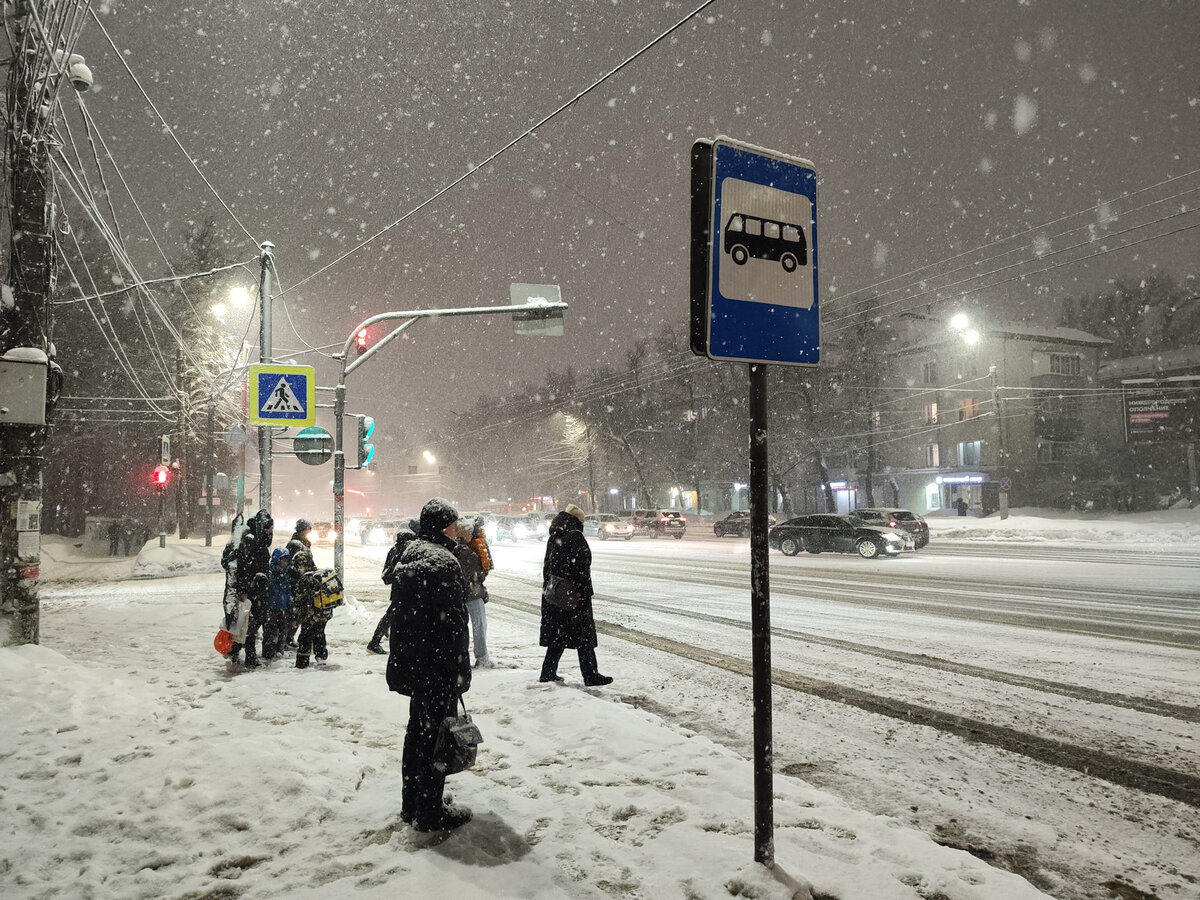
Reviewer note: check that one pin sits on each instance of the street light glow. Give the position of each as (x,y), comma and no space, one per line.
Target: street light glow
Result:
(239,296)
(220,310)
(971,337)
(959,321)
(429,457)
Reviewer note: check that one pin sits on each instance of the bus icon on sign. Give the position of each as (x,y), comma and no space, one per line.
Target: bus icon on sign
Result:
(752,236)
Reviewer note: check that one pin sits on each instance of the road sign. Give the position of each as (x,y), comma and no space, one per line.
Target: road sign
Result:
(754,255)
(166,449)
(282,395)
(313,446)
(235,437)
(536,320)
(1005,485)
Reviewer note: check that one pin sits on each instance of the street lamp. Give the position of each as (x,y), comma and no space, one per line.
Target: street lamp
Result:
(429,457)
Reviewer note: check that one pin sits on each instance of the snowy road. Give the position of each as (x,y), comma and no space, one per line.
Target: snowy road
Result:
(895,678)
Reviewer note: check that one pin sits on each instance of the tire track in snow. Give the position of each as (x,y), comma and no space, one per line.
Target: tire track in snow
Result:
(1140,776)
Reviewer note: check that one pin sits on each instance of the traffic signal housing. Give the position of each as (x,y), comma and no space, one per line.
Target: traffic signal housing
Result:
(360,341)
(160,478)
(366,450)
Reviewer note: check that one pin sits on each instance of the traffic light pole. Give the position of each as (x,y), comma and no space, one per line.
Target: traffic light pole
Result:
(339,402)
(265,352)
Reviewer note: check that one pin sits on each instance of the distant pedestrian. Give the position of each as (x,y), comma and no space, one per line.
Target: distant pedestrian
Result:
(404,536)
(429,661)
(303,527)
(961,505)
(474,557)
(568,556)
(114,537)
(128,533)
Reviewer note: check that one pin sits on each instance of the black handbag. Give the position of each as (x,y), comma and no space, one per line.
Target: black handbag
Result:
(457,743)
(562,592)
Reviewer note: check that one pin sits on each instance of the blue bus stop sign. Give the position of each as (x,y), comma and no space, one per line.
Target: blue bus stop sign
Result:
(754,255)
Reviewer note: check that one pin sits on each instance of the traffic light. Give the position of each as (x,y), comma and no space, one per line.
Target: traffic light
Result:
(161,476)
(366,450)
(360,341)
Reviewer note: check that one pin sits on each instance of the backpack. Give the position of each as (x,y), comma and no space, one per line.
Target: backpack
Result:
(328,592)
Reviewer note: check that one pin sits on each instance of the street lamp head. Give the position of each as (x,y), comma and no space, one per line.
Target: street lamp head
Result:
(220,310)
(239,296)
(429,457)
(971,337)
(959,321)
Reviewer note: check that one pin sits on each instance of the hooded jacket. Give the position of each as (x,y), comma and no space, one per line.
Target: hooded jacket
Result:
(430,642)
(568,556)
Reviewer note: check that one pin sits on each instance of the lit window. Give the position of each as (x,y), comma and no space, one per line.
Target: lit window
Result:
(968,408)
(930,413)
(932,455)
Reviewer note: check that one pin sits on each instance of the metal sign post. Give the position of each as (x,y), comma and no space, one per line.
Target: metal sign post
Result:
(755,299)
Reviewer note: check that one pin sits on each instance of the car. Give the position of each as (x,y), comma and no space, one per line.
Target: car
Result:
(606,525)
(322,533)
(516,528)
(736,523)
(838,534)
(379,532)
(658,522)
(898,519)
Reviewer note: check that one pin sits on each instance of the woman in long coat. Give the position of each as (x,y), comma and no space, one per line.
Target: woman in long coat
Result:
(568,556)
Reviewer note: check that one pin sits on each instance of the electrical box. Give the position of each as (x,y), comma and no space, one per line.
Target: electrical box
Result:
(22,392)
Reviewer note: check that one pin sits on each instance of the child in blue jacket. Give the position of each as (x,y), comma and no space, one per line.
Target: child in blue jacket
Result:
(280,598)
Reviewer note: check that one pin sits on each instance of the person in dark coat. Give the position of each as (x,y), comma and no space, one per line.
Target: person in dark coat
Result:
(253,578)
(475,559)
(568,556)
(114,537)
(303,527)
(403,537)
(313,619)
(429,660)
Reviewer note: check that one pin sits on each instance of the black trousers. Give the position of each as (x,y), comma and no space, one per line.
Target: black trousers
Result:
(588,666)
(423,784)
(383,629)
(274,633)
(312,641)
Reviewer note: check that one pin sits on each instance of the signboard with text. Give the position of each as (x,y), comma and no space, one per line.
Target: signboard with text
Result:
(1162,409)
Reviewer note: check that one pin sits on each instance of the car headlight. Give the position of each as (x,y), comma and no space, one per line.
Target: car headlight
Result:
(519,531)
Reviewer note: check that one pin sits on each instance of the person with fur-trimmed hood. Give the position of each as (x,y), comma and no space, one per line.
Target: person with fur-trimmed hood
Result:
(253,578)
(429,660)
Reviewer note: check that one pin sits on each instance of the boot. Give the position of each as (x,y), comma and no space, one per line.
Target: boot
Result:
(301,660)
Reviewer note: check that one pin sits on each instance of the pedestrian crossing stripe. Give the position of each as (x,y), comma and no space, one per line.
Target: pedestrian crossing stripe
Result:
(282,395)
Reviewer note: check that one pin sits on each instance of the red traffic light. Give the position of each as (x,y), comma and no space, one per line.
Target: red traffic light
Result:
(360,340)
(161,476)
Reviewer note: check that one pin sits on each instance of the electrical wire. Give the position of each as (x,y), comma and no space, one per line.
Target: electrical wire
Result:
(496,155)
(170,130)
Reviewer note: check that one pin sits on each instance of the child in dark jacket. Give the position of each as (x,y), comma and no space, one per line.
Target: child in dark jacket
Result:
(312,618)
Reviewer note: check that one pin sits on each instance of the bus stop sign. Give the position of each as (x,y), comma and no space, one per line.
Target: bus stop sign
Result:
(754,255)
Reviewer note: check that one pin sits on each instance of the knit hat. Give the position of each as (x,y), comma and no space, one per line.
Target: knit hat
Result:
(436,515)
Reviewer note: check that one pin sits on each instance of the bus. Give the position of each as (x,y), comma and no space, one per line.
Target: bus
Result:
(752,236)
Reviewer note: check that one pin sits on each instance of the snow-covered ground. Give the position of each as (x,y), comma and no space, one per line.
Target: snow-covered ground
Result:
(136,765)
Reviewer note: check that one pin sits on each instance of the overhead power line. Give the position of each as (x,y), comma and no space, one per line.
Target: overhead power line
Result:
(496,155)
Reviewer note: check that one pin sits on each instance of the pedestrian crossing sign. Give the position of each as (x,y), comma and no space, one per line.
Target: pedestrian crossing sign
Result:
(282,395)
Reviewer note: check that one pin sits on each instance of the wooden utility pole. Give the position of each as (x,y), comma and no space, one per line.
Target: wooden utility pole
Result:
(44,36)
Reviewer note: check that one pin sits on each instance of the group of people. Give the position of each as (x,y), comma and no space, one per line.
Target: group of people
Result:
(436,616)
(127,535)
(436,571)
(278,592)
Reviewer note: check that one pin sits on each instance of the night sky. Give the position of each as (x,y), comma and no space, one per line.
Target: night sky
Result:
(935,127)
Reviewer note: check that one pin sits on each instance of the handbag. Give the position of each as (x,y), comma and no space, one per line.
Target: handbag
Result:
(458,741)
(562,592)
(223,642)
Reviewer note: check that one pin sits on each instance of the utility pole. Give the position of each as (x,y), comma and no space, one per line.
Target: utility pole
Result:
(183,512)
(265,352)
(30,380)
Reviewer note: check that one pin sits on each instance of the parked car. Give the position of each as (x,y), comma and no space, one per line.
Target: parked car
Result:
(322,533)
(606,525)
(899,519)
(838,534)
(656,523)
(736,523)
